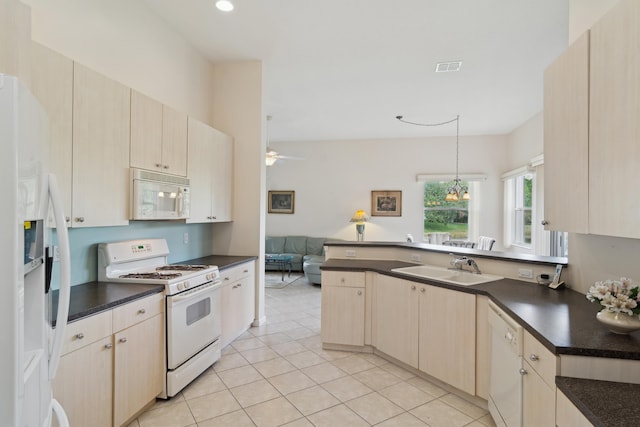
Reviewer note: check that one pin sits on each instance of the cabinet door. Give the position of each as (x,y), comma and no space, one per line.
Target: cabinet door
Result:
(222,171)
(83,384)
(566,140)
(343,315)
(567,415)
(138,366)
(146,132)
(538,400)
(101,127)
(237,301)
(448,336)
(614,132)
(174,141)
(52,84)
(396,318)
(200,171)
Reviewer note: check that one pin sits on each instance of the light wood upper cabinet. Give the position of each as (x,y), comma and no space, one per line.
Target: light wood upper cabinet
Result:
(174,141)
(101,129)
(158,136)
(614,149)
(566,140)
(209,167)
(52,84)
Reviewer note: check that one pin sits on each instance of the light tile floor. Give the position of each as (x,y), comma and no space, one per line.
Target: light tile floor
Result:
(278,374)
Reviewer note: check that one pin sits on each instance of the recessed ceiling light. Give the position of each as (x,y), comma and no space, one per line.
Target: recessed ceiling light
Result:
(224,5)
(447,67)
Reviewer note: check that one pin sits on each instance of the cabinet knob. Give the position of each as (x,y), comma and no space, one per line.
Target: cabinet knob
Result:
(67,219)
(342,280)
(79,219)
(142,311)
(533,357)
(245,271)
(213,217)
(359,292)
(544,222)
(79,336)
(108,346)
(423,290)
(123,339)
(165,166)
(413,287)
(226,278)
(523,371)
(158,165)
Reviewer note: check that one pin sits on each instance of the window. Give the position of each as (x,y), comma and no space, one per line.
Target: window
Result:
(523,209)
(519,203)
(441,216)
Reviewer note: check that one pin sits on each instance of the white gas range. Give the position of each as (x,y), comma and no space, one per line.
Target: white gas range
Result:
(192,303)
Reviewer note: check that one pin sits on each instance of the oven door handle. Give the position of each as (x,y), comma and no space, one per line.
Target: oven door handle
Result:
(176,299)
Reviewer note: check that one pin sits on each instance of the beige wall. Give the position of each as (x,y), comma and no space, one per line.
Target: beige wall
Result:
(123,41)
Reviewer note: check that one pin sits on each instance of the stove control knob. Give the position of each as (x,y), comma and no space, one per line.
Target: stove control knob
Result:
(187,284)
(180,286)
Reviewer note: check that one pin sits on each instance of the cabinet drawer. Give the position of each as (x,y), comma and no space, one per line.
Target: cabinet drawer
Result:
(86,331)
(343,278)
(137,311)
(540,359)
(233,274)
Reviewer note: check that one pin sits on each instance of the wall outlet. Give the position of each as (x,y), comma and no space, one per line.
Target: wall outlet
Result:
(350,253)
(185,238)
(415,257)
(525,273)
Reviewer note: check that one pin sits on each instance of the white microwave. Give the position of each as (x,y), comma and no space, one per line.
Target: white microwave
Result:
(156,196)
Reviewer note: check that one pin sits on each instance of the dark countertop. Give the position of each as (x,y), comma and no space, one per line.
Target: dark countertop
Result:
(563,320)
(222,261)
(476,253)
(93,297)
(604,403)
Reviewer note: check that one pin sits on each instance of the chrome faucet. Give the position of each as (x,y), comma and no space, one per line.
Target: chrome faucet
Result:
(458,263)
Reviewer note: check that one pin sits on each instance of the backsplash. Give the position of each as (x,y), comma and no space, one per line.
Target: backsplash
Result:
(84,244)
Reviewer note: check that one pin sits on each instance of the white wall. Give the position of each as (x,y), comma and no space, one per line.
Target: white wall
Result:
(123,41)
(336,178)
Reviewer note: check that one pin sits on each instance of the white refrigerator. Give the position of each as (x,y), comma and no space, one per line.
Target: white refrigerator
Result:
(29,346)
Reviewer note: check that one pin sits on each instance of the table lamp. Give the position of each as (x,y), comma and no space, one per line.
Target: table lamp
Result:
(359,218)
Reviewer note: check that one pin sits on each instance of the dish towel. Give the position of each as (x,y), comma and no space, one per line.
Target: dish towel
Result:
(485,243)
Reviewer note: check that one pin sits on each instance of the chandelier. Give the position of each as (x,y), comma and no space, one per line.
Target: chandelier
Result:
(457,191)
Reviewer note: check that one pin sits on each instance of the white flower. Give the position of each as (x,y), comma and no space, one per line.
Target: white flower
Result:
(617,296)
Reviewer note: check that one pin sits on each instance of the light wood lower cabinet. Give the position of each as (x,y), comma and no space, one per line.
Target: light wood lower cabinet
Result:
(396,318)
(237,301)
(343,308)
(427,327)
(538,386)
(104,379)
(84,384)
(567,415)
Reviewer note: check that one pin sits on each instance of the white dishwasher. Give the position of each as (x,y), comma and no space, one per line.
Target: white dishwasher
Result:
(505,385)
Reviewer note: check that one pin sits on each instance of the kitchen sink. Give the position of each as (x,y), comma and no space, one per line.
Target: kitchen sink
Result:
(456,277)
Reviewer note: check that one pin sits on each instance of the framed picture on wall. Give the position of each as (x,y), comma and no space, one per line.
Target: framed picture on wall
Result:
(386,203)
(281,202)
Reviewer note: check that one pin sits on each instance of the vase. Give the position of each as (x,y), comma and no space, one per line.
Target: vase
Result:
(619,323)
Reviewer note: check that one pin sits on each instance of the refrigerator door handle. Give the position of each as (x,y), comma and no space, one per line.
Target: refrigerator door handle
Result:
(65,276)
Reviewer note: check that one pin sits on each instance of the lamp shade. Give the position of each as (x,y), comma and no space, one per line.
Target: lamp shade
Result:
(359,216)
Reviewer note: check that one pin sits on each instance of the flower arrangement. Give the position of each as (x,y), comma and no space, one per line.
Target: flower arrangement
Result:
(616,296)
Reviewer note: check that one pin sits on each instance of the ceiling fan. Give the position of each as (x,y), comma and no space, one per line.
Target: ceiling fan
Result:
(272,156)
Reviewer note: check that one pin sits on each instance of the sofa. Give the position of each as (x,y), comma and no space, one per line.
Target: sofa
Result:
(307,252)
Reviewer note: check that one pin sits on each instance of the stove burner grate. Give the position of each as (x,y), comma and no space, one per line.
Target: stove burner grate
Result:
(164,276)
(182,267)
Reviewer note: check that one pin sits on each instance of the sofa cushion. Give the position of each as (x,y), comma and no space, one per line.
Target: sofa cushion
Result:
(315,245)
(274,245)
(295,245)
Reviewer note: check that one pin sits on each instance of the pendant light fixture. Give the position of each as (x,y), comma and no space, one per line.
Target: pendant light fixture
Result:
(456,191)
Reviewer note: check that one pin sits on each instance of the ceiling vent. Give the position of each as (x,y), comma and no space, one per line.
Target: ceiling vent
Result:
(447,67)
